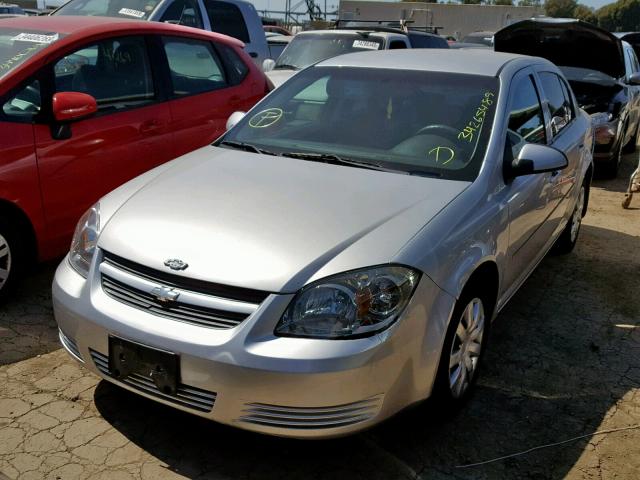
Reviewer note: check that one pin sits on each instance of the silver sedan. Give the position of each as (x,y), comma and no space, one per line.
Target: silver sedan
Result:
(341,251)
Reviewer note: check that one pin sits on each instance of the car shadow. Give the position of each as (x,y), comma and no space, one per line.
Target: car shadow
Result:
(27,326)
(619,184)
(562,353)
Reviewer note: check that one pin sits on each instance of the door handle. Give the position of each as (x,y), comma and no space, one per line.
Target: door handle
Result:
(253,54)
(151,126)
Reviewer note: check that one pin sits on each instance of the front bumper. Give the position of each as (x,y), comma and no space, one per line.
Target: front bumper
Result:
(249,378)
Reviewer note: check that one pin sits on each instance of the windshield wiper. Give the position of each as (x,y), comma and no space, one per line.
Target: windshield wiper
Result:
(247,147)
(334,159)
(284,66)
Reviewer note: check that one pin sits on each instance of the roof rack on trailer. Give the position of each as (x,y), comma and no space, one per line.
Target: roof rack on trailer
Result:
(390,26)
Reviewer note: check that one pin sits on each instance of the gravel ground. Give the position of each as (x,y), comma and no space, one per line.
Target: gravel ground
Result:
(564,361)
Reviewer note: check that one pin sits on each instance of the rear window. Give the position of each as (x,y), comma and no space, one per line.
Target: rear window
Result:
(135,9)
(309,48)
(427,41)
(227,19)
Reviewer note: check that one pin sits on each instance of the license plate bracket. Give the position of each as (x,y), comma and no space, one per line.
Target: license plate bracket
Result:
(128,358)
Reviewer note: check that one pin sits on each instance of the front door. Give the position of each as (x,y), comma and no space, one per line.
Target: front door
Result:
(128,136)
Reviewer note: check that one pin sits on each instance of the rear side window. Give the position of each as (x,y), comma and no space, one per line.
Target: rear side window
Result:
(397,44)
(183,12)
(227,19)
(194,66)
(114,71)
(559,107)
(526,122)
(236,68)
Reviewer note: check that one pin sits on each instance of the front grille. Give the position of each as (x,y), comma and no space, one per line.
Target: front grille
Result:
(240,294)
(70,345)
(186,396)
(311,417)
(198,303)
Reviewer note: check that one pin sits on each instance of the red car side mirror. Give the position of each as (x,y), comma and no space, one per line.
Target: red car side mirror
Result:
(69,106)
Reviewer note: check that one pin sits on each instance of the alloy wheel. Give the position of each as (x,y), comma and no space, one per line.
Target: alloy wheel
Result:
(5,261)
(466,347)
(576,218)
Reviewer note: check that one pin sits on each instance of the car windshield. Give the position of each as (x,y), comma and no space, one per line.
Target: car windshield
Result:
(309,48)
(17,46)
(416,122)
(138,9)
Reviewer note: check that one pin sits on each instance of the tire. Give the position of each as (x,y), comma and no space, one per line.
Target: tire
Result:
(462,350)
(11,256)
(567,240)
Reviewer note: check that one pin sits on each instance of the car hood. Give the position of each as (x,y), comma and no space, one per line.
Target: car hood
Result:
(269,223)
(278,77)
(565,42)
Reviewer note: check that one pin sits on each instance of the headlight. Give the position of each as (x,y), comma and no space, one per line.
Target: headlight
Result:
(351,304)
(85,239)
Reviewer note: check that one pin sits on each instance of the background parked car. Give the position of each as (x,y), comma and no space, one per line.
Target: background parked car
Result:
(276,29)
(89,103)
(10,9)
(277,43)
(479,38)
(235,18)
(309,47)
(602,71)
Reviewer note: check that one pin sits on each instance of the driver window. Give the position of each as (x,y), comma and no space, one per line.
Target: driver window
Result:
(116,72)
(23,106)
(526,122)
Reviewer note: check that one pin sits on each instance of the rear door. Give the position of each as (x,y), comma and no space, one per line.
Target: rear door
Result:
(84,160)
(204,90)
(567,135)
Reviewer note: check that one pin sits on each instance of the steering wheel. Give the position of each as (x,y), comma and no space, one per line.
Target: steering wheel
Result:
(446,130)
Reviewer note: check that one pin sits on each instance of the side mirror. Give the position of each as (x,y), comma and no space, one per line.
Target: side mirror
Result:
(634,79)
(69,106)
(535,158)
(268,65)
(234,118)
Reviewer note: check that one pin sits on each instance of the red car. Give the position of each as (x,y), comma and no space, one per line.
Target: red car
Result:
(87,103)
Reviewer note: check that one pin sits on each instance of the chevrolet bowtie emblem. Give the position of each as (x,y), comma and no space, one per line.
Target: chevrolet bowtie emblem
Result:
(175,264)
(165,294)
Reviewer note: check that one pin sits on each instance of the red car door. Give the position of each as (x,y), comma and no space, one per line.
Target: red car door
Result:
(129,134)
(204,92)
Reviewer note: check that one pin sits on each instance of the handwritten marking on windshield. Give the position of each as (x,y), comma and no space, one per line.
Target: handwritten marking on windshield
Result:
(445,154)
(10,62)
(477,120)
(266,118)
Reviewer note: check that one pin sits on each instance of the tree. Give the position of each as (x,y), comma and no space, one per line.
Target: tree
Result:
(586,14)
(622,16)
(560,8)
(503,2)
(529,3)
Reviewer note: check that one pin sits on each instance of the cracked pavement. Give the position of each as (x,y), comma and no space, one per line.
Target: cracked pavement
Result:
(563,361)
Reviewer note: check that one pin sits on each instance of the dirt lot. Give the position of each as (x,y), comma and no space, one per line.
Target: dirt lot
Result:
(564,361)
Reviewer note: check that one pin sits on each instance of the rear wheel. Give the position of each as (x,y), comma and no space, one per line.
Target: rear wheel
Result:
(462,351)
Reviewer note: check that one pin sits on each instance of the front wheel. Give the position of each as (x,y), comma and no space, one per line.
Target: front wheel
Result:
(569,236)
(10,257)
(462,352)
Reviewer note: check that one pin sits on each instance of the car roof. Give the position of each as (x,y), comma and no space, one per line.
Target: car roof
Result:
(80,26)
(473,61)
